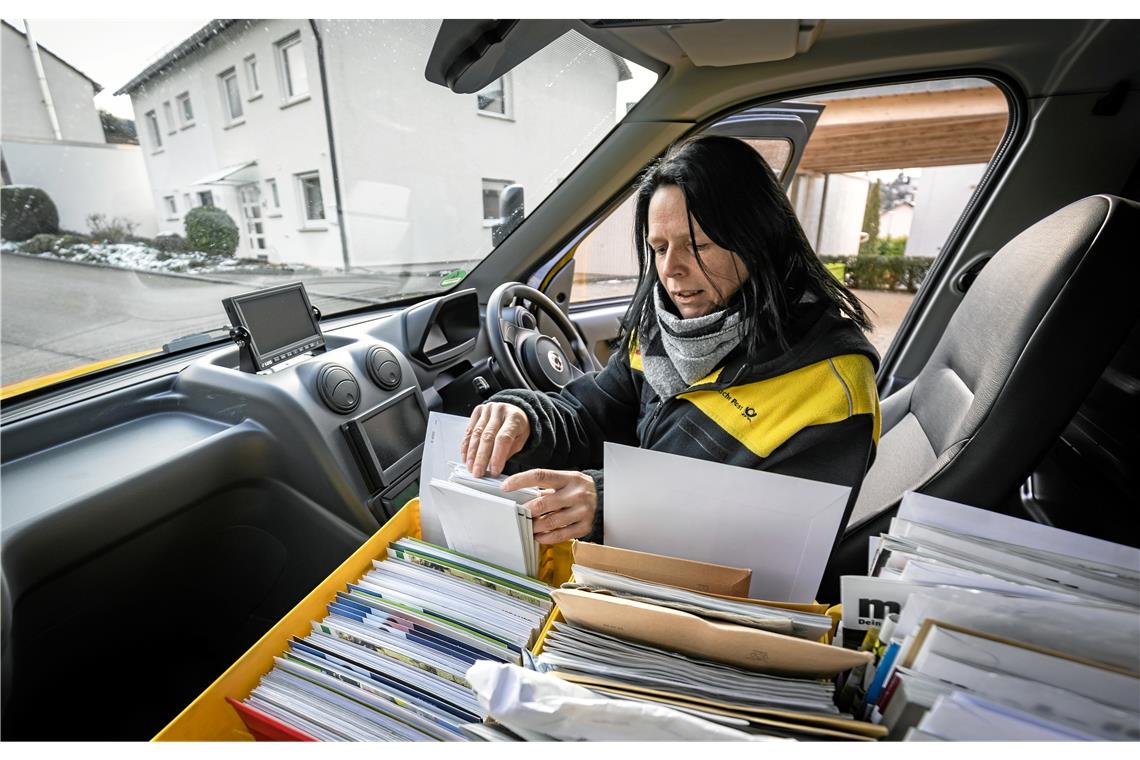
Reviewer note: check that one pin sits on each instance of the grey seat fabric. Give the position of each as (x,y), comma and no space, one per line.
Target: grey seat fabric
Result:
(1038,326)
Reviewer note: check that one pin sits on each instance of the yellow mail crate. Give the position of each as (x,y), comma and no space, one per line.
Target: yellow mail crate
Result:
(210,718)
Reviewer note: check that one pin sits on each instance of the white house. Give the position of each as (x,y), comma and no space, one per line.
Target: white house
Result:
(896,222)
(238,116)
(50,128)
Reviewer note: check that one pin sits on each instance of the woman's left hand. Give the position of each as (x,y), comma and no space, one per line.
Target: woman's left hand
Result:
(566,511)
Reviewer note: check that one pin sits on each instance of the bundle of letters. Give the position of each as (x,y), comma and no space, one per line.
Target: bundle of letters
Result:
(388,663)
(987,627)
(644,627)
(481,519)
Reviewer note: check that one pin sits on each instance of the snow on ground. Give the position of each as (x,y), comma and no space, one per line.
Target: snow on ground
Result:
(142,257)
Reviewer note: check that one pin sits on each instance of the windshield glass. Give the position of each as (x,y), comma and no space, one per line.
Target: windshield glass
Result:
(140,188)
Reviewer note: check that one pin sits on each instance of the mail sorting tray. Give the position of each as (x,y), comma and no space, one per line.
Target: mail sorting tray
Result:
(211,718)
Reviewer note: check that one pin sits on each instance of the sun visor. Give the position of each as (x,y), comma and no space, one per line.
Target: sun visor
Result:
(469,54)
(728,43)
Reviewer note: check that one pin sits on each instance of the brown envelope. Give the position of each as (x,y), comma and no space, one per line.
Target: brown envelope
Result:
(673,571)
(738,645)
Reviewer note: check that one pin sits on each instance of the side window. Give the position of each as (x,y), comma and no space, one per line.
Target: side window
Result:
(605,262)
(884,177)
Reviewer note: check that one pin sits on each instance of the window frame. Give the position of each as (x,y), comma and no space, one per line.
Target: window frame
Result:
(170,207)
(274,197)
(168,116)
(307,222)
(252,77)
(227,106)
(183,100)
(203,201)
(284,76)
(508,113)
(151,118)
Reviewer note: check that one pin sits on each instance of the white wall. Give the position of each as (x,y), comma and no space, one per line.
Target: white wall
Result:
(85,178)
(830,209)
(24,113)
(941,196)
(285,141)
(413,155)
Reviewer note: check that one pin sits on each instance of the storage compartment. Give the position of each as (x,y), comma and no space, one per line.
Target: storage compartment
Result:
(113,647)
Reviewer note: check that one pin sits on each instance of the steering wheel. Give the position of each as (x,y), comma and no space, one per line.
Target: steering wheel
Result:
(527,357)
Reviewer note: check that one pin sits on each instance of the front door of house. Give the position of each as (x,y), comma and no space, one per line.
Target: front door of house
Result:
(251,213)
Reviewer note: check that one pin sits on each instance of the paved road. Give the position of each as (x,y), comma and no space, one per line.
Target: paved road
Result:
(56,315)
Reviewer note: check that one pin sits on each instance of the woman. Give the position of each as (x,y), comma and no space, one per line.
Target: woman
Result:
(739,347)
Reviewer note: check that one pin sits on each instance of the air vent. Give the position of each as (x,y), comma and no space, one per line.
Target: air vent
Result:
(383,368)
(338,388)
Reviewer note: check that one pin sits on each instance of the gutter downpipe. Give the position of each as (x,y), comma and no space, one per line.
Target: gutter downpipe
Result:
(45,91)
(332,144)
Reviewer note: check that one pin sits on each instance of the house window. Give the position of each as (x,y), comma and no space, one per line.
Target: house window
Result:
(155,133)
(251,80)
(291,68)
(494,99)
(312,203)
(185,110)
(231,95)
(274,198)
(492,190)
(186,201)
(171,206)
(206,198)
(168,114)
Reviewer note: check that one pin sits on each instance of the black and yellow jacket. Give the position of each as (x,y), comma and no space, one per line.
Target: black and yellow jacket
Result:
(811,411)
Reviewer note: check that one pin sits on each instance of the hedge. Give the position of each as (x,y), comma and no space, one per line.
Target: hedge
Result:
(882,272)
(211,230)
(26,212)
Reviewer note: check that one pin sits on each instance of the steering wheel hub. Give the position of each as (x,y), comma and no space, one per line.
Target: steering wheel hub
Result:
(544,362)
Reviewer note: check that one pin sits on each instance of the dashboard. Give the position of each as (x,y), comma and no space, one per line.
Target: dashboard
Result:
(217,496)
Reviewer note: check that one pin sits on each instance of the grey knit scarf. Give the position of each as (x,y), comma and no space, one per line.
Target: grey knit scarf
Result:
(677,352)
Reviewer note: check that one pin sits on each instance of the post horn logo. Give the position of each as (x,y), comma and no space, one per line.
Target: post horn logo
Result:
(556,360)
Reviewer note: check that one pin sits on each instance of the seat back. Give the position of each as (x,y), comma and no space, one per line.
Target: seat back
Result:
(1021,352)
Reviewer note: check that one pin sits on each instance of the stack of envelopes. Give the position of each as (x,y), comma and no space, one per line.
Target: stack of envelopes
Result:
(480,519)
(651,628)
(994,628)
(388,663)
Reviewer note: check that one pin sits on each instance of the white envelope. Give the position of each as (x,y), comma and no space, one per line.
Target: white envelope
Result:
(483,526)
(971,521)
(781,527)
(441,445)
(964,717)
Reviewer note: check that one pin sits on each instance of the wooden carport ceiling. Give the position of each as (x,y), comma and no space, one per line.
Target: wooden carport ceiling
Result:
(919,129)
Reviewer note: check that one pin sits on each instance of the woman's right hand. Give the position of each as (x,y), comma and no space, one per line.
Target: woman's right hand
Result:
(496,432)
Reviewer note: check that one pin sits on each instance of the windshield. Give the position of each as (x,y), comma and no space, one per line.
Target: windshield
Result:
(140,188)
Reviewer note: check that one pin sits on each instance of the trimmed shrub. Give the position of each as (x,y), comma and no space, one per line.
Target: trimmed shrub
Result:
(211,230)
(170,242)
(44,242)
(26,211)
(891,246)
(69,239)
(881,272)
(117,230)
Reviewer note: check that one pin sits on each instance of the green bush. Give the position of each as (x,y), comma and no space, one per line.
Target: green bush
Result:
(117,230)
(25,212)
(891,272)
(211,230)
(42,243)
(170,242)
(891,246)
(69,239)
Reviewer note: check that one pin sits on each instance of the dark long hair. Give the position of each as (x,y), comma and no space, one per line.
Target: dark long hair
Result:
(736,200)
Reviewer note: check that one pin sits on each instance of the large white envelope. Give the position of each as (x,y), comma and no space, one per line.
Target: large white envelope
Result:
(781,527)
(480,525)
(441,445)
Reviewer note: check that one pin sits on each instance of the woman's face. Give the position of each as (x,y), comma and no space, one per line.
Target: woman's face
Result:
(693,292)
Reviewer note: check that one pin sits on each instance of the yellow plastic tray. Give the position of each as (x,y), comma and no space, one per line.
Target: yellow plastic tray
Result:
(210,718)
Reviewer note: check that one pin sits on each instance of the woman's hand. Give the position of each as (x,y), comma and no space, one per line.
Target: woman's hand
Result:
(566,511)
(496,432)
